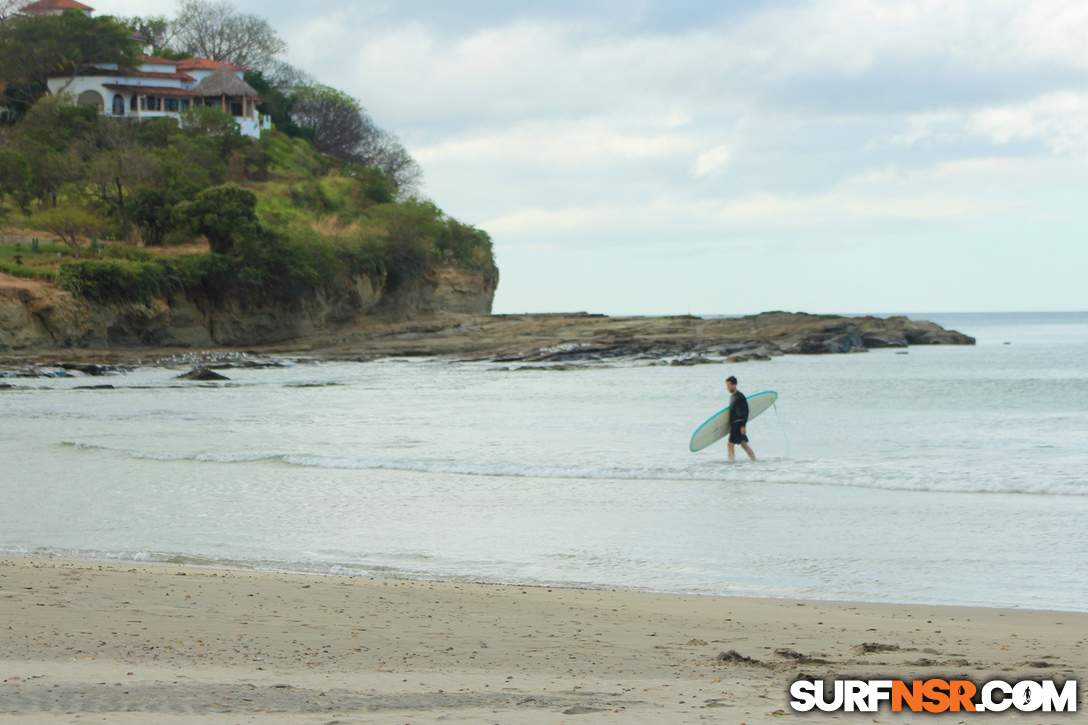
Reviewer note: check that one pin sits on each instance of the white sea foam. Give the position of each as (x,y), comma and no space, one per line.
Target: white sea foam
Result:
(773,471)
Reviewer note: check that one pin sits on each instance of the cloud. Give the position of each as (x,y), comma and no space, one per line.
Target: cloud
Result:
(1050,123)
(565,143)
(827,54)
(1058,120)
(711,163)
(877,197)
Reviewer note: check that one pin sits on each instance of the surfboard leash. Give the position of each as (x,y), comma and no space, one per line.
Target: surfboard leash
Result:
(779,419)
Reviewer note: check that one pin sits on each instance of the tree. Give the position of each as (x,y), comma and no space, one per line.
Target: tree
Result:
(73,225)
(153,213)
(286,77)
(216,30)
(36,47)
(49,138)
(276,103)
(340,126)
(119,164)
(158,29)
(224,214)
(55,123)
(14,178)
(53,171)
(212,123)
(388,154)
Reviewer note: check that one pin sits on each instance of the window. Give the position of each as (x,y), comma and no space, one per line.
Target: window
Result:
(94,99)
(236,109)
(185,104)
(118,105)
(171,104)
(134,104)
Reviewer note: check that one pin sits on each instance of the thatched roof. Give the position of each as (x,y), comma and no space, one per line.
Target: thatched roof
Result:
(224,82)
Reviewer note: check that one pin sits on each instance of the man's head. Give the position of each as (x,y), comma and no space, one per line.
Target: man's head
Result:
(731,384)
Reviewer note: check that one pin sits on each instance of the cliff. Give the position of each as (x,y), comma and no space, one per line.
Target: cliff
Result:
(444,313)
(37,316)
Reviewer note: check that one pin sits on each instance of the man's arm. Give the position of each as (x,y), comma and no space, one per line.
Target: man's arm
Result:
(741,407)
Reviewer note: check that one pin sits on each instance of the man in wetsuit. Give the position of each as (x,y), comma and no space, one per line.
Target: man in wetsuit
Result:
(738,418)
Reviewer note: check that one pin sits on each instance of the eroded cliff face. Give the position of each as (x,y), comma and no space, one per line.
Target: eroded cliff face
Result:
(37,316)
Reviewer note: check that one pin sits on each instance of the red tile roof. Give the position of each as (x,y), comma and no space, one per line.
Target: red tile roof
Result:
(152,90)
(205,64)
(152,60)
(130,73)
(43,6)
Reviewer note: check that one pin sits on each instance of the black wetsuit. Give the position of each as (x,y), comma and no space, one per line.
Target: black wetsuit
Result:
(738,417)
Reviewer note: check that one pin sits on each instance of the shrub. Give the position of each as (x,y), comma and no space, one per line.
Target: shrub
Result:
(465,246)
(46,274)
(113,280)
(224,214)
(153,214)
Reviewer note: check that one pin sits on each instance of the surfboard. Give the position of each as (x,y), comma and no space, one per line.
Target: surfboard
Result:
(717,426)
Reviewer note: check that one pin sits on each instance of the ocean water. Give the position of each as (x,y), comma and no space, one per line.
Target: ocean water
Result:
(955,475)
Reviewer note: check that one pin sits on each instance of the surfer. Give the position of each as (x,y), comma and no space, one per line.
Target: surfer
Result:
(738,418)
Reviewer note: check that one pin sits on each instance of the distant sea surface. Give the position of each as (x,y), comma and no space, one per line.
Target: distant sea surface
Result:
(954,475)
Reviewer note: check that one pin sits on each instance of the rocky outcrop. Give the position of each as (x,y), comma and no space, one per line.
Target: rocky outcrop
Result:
(580,338)
(203,374)
(39,316)
(446,313)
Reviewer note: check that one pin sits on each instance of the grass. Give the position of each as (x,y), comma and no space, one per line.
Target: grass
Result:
(41,265)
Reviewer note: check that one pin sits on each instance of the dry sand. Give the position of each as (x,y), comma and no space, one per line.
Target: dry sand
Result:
(84,642)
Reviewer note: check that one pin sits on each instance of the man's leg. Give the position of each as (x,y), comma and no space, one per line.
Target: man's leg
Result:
(730,450)
(748,449)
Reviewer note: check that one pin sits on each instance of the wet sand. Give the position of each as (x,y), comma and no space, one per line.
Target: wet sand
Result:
(84,642)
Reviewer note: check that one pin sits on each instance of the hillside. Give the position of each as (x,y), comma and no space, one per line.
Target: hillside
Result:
(232,241)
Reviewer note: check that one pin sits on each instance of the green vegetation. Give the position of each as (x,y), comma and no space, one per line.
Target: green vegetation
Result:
(295,221)
(33,49)
(21,260)
(325,197)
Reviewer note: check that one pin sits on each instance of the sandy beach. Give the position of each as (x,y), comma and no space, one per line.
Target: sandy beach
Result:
(88,641)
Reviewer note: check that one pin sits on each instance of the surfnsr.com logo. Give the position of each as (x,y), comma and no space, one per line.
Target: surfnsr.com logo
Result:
(934,696)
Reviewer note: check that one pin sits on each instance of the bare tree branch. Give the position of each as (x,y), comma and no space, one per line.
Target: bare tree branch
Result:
(287,77)
(216,30)
(387,153)
(11,8)
(342,128)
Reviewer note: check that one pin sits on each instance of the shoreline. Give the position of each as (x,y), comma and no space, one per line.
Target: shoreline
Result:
(394,575)
(190,643)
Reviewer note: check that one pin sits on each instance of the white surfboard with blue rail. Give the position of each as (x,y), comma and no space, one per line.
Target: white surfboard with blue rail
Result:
(717,426)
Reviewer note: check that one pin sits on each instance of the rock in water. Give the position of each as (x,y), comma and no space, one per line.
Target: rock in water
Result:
(202,374)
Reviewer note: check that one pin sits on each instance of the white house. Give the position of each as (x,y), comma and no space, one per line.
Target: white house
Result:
(157,87)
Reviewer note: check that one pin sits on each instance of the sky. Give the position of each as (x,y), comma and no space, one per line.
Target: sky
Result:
(728,157)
